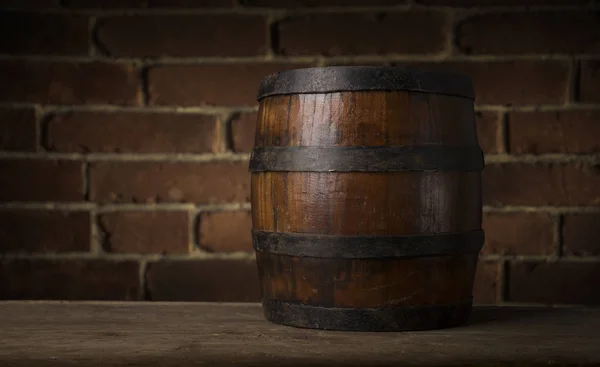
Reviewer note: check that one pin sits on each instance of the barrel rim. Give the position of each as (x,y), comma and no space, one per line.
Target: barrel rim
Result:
(332,79)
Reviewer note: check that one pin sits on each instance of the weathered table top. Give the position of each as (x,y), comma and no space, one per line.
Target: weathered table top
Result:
(193,334)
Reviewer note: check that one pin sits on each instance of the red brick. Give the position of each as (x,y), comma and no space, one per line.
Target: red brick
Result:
(243,128)
(225,231)
(30,4)
(541,184)
(555,282)
(132,132)
(193,85)
(191,3)
(50,34)
(523,33)
(146,232)
(69,83)
(554,132)
(99,4)
(183,35)
(488,125)
(40,180)
(519,234)
(203,280)
(581,234)
(17,129)
(469,3)
(589,84)
(44,230)
(487,282)
(210,182)
(333,34)
(319,3)
(72,279)
(520,82)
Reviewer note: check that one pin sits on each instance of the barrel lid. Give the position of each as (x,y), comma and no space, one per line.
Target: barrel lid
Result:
(363,78)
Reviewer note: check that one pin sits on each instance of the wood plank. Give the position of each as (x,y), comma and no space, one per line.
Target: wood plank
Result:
(195,334)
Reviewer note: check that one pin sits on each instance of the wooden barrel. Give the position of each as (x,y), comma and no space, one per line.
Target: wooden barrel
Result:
(366,198)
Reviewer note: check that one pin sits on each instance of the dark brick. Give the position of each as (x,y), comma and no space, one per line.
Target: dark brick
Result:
(331,34)
(519,234)
(23,230)
(30,4)
(72,279)
(146,232)
(520,82)
(470,3)
(319,3)
(191,3)
(243,128)
(99,4)
(69,83)
(17,129)
(132,132)
(225,231)
(40,180)
(196,85)
(554,132)
(523,33)
(185,35)
(488,125)
(541,184)
(589,84)
(581,234)
(210,182)
(487,282)
(564,282)
(203,280)
(50,34)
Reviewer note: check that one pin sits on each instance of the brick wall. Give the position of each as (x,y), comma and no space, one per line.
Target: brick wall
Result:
(125,128)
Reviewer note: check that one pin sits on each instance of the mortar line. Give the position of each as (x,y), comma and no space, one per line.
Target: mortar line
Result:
(541,209)
(558,235)
(500,158)
(99,208)
(225,137)
(203,110)
(440,57)
(213,110)
(143,292)
(250,10)
(194,256)
(97,236)
(503,133)
(540,258)
(38,118)
(193,231)
(91,37)
(502,279)
(132,157)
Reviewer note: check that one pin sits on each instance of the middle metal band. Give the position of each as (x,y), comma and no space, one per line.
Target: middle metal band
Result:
(365,247)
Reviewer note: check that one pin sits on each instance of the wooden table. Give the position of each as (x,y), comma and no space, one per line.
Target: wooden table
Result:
(194,334)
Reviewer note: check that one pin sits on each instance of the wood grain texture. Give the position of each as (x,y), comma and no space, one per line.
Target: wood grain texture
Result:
(366,203)
(373,118)
(102,334)
(367,283)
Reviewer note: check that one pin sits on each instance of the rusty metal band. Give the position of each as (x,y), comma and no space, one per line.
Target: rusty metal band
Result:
(367,247)
(367,159)
(367,319)
(333,79)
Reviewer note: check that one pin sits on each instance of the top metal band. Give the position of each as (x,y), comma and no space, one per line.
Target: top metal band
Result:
(364,78)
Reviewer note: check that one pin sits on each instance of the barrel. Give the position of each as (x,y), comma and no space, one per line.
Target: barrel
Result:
(366,198)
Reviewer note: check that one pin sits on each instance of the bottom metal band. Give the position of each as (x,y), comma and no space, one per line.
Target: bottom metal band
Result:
(367,319)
